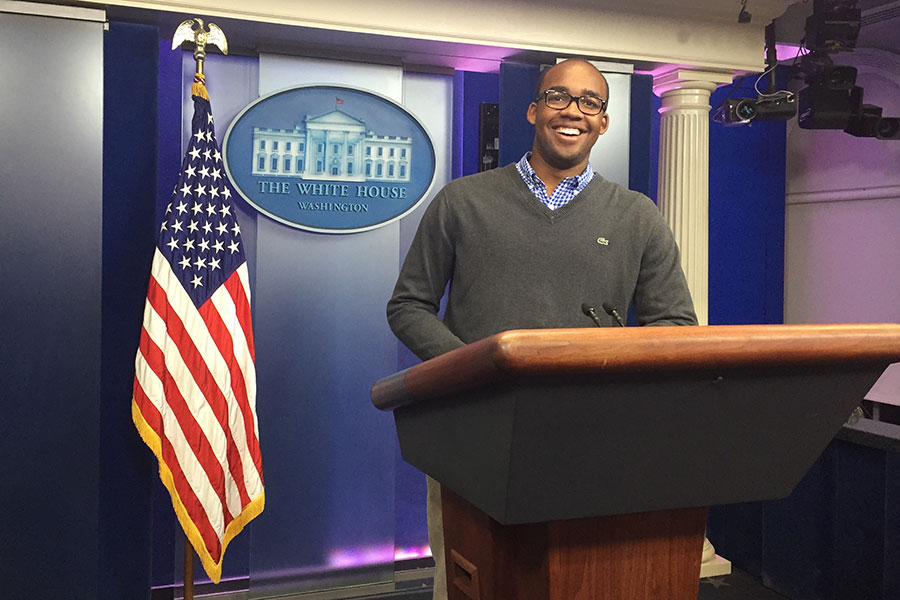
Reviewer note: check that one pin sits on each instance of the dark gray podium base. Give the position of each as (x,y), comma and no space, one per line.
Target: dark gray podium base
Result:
(539,449)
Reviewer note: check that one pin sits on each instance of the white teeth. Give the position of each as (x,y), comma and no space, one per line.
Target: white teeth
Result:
(568,131)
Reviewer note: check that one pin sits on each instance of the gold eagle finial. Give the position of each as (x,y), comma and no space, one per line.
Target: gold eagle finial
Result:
(185,32)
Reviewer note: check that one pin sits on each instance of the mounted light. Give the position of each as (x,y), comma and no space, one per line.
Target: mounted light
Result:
(744,16)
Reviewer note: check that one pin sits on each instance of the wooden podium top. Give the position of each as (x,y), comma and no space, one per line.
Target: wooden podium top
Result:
(635,349)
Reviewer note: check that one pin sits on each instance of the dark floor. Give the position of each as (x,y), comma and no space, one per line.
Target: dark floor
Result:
(736,586)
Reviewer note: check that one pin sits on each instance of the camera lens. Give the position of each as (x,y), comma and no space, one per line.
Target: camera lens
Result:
(888,129)
(745,110)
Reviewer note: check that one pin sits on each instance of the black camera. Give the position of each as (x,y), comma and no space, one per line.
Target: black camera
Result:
(737,111)
(868,122)
(825,107)
(833,26)
(831,98)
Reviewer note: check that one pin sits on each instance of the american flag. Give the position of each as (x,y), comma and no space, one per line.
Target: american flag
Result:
(194,398)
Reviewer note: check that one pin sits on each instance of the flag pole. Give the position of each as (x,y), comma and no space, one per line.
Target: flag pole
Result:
(188,570)
(185,32)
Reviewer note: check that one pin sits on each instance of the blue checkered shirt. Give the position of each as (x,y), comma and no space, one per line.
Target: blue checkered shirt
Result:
(567,189)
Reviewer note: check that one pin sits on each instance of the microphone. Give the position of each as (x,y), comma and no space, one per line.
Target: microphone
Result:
(588,310)
(611,311)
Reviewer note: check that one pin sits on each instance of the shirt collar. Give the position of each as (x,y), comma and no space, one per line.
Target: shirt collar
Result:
(529,176)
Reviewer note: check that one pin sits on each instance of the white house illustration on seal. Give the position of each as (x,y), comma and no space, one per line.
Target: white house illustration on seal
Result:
(335,147)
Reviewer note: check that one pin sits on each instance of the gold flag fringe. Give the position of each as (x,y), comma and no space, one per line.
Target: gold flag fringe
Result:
(212,566)
(199,86)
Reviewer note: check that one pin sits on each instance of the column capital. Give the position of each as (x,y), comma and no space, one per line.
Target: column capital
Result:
(681,78)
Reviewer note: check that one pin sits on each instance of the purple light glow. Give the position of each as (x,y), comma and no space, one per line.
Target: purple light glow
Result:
(477,65)
(785,53)
(361,556)
(460,57)
(373,555)
(411,552)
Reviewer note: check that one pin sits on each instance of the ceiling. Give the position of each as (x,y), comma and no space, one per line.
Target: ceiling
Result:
(251,37)
(881,24)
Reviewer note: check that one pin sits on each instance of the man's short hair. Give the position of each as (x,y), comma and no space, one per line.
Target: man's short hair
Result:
(540,84)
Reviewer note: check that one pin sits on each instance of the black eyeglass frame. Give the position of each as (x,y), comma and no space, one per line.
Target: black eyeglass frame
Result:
(577,99)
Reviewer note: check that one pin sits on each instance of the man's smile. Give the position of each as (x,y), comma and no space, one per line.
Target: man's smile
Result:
(568,131)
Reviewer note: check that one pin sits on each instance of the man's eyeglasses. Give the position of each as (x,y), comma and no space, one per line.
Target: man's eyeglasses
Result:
(558,100)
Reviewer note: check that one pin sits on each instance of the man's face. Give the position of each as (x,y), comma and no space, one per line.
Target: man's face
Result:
(564,138)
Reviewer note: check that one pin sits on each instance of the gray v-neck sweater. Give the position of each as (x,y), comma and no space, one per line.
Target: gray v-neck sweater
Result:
(513,263)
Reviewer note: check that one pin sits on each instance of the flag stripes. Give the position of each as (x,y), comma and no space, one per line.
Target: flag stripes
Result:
(194,400)
(201,368)
(240,409)
(187,506)
(211,424)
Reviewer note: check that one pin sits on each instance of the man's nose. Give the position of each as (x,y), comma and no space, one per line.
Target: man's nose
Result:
(572,110)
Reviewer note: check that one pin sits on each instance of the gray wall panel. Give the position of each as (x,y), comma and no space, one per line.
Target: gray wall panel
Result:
(322,340)
(50,211)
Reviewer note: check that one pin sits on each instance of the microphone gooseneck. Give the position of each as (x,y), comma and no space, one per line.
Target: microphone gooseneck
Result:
(588,310)
(611,311)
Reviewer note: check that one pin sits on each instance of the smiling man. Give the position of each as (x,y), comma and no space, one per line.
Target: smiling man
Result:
(525,245)
(567,121)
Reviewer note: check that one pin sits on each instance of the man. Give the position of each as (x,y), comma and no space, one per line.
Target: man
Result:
(524,246)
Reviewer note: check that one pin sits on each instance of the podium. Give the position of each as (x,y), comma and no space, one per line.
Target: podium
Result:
(578,463)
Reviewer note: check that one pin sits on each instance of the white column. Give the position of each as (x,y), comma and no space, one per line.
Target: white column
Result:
(683,193)
(683,196)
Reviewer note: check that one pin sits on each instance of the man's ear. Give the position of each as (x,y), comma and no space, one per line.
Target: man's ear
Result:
(604,123)
(531,113)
